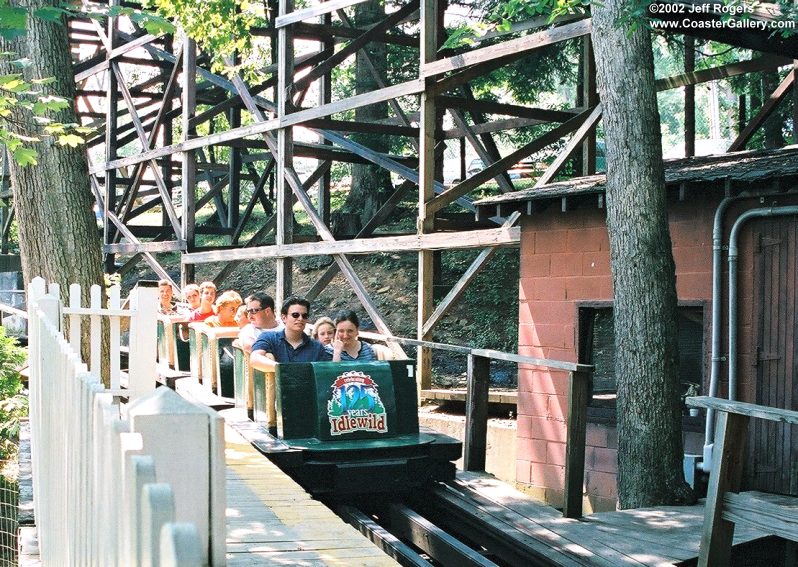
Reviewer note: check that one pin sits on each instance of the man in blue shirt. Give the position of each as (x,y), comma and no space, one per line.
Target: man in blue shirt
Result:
(290,344)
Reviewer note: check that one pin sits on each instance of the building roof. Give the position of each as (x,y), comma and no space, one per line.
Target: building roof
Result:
(734,171)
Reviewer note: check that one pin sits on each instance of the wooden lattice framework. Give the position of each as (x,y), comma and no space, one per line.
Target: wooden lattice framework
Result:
(161,114)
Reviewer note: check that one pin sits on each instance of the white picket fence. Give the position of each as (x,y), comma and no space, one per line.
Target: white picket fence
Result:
(118,484)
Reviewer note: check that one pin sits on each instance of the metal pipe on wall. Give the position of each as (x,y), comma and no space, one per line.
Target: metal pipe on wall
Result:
(717,259)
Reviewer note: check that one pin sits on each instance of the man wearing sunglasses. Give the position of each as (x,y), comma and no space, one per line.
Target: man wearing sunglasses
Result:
(290,344)
(260,314)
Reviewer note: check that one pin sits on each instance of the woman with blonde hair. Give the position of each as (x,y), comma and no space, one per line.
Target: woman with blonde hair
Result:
(225,308)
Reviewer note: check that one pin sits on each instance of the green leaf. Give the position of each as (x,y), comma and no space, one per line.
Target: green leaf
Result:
(25,156)
(152,23)
(5,79)
(50,13)
(70,140)
(52,102)
(54,128)
(13,19)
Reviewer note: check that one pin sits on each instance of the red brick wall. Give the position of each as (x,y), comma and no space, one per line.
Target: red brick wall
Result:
(565,261)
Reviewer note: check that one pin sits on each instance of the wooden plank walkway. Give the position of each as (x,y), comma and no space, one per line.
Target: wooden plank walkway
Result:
(272,520)
(644,537)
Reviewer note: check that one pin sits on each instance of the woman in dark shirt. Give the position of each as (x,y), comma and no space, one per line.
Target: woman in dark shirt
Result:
(347,346)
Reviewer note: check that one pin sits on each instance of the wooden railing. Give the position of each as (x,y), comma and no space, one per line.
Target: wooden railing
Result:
(108,476)
(725,505)
(476,418)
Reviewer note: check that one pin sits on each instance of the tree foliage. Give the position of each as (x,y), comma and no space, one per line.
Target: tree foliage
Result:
(222,29)
(13,403)
(17,92)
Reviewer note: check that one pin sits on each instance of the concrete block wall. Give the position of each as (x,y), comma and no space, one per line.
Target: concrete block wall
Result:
(565,263)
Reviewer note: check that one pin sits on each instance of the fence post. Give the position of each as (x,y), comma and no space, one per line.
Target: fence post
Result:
(180,545)
(139,472)
(143,339)
(578,391)
(74,320)
(114,303)
(96,326)
(157,508)
(181,436)
(476,415)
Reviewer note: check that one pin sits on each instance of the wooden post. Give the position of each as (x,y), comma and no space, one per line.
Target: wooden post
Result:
(726,475)
(284,157)
(689,98)
(325,97)
(426,189)
(111,114)
(590,98)
(578,391)
(189,166)
(476,422)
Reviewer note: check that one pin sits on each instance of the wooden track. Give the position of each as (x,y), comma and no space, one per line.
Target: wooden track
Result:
(272,520)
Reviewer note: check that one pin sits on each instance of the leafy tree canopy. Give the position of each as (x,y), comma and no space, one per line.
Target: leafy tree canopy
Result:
(16,91)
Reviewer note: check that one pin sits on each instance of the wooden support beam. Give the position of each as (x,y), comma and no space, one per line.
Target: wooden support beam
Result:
(189,163)
(157,124)
(379,217)
(491,107)
(506,49)
(465,280)
(578,398)
(726,476)
(502,179)
(689,97)
(430,27)
(588,126)
(355,45)
(406,88)
(166,197)
(329,33)
(494,126)
(589,98)
(770,104)
(404,243)
(256,192)
(763,63)
(138,248)
(505,163)
(476,415)
(292,17)
(284,154)
(111,109)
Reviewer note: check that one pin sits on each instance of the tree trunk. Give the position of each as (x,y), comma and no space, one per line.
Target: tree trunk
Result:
(371,184)
(58,235)
(643,272)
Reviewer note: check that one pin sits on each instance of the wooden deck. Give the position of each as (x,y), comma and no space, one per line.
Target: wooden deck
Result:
(272,520)
(644,537)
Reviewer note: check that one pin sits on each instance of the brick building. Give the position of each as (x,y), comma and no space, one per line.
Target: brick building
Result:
(565,311)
